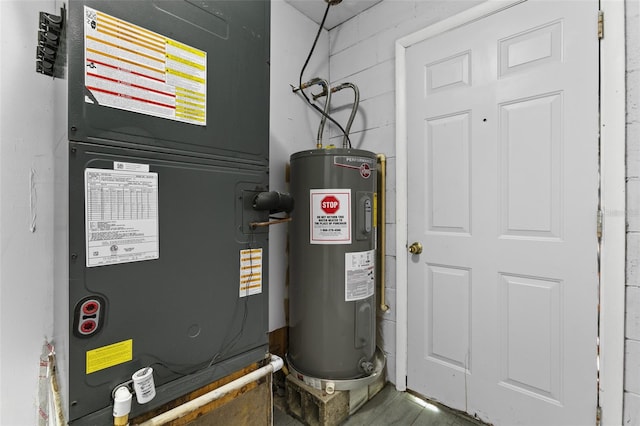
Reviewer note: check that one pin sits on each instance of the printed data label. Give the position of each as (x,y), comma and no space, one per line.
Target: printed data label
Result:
(130,167)
(330,220)
(131,68)
(250,272)
(121,212)
(313,382)
(359,275)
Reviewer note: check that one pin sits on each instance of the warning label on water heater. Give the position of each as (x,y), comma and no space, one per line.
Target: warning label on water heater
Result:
(359,275)
(330,220)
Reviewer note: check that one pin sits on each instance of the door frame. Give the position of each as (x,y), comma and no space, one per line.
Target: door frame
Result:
(612,196)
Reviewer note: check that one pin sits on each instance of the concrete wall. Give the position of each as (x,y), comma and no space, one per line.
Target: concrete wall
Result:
(293,125)
(27,143)
(632,332)
(362,51)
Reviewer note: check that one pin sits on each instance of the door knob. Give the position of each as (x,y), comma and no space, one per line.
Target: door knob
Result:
(415,248)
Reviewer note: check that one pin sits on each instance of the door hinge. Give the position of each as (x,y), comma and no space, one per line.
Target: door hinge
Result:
(599,225)
(600,25)
(598,416)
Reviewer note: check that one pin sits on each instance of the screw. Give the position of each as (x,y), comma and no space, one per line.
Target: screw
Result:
(74,128)
(74,257)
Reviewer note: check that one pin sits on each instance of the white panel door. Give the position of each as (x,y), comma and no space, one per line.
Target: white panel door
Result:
(503,183)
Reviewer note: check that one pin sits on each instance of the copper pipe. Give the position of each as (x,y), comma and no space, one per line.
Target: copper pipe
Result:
(254,225)
(382,235)
(326,91)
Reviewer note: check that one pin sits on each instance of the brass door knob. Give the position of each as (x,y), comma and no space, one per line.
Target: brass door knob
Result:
(415,248)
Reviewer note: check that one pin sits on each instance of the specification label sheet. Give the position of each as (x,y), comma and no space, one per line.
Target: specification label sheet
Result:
(121,212)
(359,275)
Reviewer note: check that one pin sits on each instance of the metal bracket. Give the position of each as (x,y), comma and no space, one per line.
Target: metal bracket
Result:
(600,25)
(50,41)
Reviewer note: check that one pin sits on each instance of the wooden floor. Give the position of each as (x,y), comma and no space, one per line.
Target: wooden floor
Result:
(390,407)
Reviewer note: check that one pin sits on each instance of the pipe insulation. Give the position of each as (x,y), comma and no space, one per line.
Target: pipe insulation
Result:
(182,410)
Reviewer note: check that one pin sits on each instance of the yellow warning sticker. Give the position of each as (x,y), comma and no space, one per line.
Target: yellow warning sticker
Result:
(250,272)
(108,356)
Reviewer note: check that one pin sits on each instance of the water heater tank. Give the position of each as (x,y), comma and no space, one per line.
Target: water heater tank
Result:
(332,263)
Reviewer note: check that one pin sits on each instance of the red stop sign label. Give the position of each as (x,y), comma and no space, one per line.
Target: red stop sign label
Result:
(330,204)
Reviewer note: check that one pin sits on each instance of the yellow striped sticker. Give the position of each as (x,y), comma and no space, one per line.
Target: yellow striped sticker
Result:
(116,46)
(193,104)
(190,111)
(186,62)
(108,356)
(103,17)
(189,49)
(250,272)
(189,93)
(185,75)
(189,117)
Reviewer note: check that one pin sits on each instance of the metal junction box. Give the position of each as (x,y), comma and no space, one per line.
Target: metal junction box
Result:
(163,269)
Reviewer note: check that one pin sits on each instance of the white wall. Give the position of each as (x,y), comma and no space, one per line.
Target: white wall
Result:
(293,125)
(362,51)
(27,143)
(632,332)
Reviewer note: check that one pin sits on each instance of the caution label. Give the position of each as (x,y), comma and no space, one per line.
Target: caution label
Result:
(330,220)
(250,272)
(359,275)
(131,68)
(108,356)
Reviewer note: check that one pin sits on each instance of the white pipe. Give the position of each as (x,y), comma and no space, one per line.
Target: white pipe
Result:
(121,406)
(182,410)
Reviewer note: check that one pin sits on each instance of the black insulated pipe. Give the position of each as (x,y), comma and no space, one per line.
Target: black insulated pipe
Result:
(274,201)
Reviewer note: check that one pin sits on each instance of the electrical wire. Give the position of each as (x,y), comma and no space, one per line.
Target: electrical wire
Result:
(314,106)
(250,247)
(225,347)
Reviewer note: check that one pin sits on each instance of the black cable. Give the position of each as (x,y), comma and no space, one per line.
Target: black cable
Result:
(235,339)
(224,347)
(313,47)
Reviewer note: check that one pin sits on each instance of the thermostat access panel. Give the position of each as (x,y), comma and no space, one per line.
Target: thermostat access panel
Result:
(171,75)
